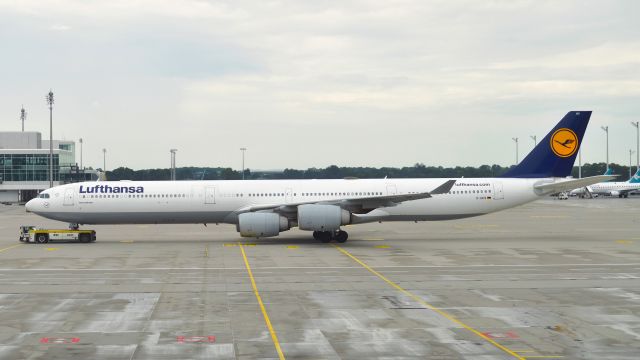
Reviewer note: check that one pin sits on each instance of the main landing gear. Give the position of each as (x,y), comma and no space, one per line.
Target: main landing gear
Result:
(326,236)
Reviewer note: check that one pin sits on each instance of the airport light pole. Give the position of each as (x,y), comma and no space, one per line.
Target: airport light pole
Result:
(637,126)
(580,163)
(80,141)
(535,140)
(23,116)
(50,103)
(516,141)
(173,164)
(243,150)
(631,152)
(104,161)
(606,130)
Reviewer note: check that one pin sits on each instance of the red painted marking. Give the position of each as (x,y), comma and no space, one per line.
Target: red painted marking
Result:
(56,340)
(195,339)
(505,335)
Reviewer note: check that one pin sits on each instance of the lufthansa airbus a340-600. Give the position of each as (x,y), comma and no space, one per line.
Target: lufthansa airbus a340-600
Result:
(264,208)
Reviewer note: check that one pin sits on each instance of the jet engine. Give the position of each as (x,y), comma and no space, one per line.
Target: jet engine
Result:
(614,193)
(322,217)
(261,224)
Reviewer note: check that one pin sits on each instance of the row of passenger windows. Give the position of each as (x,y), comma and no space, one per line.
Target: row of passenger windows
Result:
(314,194)
(124,196)
(259,194)
(470,192)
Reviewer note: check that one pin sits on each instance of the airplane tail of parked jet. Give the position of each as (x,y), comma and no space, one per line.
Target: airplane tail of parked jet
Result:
(555,154)
(635,179)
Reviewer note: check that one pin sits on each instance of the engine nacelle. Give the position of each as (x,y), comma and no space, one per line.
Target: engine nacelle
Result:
(614,193)
(322,217)
(261,224)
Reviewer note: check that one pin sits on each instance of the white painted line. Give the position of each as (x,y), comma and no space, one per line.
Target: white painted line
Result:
(326,267)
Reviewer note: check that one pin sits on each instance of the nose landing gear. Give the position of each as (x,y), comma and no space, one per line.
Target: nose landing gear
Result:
(326,236)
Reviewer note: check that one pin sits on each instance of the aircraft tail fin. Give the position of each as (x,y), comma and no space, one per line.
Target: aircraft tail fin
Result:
(555,154)
(635,179)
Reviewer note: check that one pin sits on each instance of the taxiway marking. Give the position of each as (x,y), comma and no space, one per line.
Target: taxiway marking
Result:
(274,336)
(10,247)
(327,267)
(429,306)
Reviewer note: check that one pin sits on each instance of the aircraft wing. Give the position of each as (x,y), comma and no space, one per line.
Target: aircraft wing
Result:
(368,202)
(566,185)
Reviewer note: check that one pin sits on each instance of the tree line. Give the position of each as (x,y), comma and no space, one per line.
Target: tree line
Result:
(334,172)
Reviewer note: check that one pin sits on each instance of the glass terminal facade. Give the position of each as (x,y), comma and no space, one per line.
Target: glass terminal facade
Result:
(28,167)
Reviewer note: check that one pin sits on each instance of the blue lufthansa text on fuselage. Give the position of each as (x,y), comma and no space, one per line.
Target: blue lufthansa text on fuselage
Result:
(106,189)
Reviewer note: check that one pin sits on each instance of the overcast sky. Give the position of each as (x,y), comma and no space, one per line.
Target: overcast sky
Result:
(315,83)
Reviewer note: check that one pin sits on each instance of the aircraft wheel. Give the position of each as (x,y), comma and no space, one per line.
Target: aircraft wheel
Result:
(341,236)
(324,236)
(42,239)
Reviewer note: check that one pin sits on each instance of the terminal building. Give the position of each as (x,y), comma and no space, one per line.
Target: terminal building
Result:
(24,165)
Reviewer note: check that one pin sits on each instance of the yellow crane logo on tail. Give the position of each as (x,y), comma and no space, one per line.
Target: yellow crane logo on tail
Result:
(564,142)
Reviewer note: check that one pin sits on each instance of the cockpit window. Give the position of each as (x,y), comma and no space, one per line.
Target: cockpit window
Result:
(43,196)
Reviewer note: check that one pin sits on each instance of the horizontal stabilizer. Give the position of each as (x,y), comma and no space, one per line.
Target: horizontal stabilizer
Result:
(567,185)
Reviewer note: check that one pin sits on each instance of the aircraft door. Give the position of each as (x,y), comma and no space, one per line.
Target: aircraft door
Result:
(391,190)
(210,195)
(287,196)
(68,197)
(498,191)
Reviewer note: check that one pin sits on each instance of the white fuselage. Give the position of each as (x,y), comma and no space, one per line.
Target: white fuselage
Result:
(158,202)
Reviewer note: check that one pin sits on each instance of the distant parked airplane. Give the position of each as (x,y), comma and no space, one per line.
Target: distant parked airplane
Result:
(611,188)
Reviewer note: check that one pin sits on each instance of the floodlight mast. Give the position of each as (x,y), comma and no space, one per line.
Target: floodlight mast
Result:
(243,150)
(104,161)
(637,126)
(516,141)
(50,103)
(606,130)
(23,116)
(80,141)
(173,164)
(631,152)
(535,140)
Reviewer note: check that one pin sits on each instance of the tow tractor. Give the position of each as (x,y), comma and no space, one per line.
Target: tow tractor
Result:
(33,234)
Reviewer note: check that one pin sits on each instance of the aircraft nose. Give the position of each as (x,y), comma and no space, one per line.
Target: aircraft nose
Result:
(29,205)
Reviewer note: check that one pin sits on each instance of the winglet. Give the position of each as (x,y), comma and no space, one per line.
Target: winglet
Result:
(444,188)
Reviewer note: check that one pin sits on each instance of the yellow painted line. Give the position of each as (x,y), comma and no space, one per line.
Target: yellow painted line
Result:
(274,337)
(549,216)
(624,242)
(429,306)
(292,246)
(382,246)
(52,249)
(227,245)
(206,251)
(10,247)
